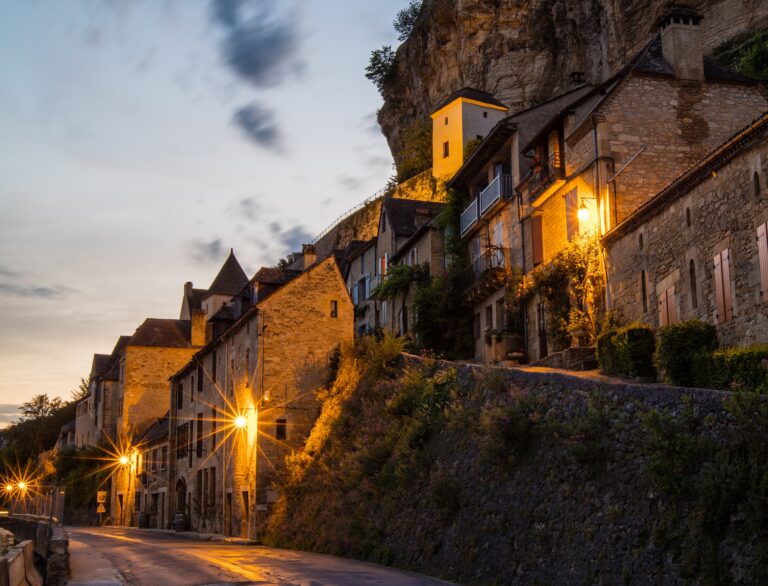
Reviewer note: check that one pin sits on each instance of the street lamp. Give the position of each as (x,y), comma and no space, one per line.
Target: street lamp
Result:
(240,422)
(124,460)
(583,213)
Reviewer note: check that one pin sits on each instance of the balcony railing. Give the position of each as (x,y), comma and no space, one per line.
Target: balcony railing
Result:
(501,186)
(487,272)
(539,181)
(468,217)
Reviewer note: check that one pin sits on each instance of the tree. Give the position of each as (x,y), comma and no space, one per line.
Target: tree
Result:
(40,406)
(288,260)
(82,390)
(380,66)
(754,63)
(406,19)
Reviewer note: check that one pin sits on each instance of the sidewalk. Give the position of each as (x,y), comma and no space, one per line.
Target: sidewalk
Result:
(88,567)
(195,535)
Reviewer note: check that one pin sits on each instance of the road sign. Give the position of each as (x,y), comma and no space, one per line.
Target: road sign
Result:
(101,509)
(101,496)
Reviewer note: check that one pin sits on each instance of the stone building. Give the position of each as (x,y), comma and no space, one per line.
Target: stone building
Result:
(246,400)
(606,153)
(699,248)
(154,456)
(399,221)
(86,425)
(361,278)
(105,393)
(157,350)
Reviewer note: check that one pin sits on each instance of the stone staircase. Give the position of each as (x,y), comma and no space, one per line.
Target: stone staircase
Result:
(570,359)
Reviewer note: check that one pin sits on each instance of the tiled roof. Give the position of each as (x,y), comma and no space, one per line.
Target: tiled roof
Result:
(162,333)
(401,213)
(231,278)
(274,275)
(99,364)
(470,94)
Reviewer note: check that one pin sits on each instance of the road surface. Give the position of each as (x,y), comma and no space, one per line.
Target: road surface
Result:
(160,559)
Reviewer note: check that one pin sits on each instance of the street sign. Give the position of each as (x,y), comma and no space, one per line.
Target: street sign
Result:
(101,509)
(101,496)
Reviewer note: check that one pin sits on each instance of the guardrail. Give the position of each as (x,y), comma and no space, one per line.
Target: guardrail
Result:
(501,186)
(468,217)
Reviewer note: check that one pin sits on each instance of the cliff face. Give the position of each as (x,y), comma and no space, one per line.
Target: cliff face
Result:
(524,51)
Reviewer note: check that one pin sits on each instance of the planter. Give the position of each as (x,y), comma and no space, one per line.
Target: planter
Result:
(579,337)
(180,522)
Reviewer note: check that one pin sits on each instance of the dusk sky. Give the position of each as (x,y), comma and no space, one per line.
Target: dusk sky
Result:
(140,140)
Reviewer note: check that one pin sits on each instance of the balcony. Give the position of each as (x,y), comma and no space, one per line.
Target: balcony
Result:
(500,187)
(488,273)
(468,217)
(542,183)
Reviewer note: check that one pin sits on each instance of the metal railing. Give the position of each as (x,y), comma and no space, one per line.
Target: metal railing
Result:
(501,186)
(540,180)
(468,217)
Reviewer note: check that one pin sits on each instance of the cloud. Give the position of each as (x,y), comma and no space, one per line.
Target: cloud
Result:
(291,238)
(5,272)
(378,161)
(9,413)
(16,290)
(350,183)
(212,250)
(259,126)
(260,46)
(248,207)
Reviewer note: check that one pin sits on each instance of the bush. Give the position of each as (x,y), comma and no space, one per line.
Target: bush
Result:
(627,351)
(679,348)
(733,368)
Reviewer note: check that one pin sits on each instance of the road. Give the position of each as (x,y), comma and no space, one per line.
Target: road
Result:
(160,559)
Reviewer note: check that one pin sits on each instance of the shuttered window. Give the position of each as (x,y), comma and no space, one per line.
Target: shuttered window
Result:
(667,307)
(723,293)
(571,214)
(537,247)
(762,250)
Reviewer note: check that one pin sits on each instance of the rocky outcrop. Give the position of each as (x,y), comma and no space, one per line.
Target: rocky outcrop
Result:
(524,51)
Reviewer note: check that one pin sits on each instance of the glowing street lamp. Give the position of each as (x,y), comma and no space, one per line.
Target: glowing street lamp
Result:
(124,460)
(240,422)
(583,213)
(9,488)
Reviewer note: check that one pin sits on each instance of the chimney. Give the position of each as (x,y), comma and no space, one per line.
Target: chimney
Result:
(310,256)
(197,335)
(681,42)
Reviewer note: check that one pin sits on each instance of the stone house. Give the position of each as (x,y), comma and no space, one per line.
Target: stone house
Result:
(699,248)
(491,226)
(154,456)
(399,220)
(246,400)
(157,350)
(105,392)
(86,429)
(613,148)
(361,279)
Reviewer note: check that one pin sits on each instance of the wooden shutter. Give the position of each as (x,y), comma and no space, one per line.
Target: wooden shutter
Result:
(571,214)
(671,306)
(719,289)
(727,292)
(762,252)
(663,316)
(537,241)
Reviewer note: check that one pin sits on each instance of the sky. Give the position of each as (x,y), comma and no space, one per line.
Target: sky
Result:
(141,140)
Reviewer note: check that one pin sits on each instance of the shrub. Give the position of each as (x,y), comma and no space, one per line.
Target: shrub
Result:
(733,368)
(678,348)
(606,352)
(627,351)
(635,345)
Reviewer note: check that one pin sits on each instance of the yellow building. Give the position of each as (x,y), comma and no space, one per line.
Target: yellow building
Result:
(466,115)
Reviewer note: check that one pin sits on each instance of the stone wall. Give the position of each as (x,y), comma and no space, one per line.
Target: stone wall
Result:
(36,536)
(513,478)
(724,213)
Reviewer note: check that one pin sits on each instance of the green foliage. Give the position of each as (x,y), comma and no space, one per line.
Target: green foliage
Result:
(677,348)
(512,430)
(571,273)
(379,354)
(627,351)
(40,407)
(471,147)
(288,260)
(443,325)
(733,368)
(446,496)
(380,66)
(406,19)
(415,153)
(399,279)
(81,473)
(81,392)
(754,61)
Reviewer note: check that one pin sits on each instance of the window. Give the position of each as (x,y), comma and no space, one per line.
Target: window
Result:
(403,320)
(180,396)
(640,241)
(688,217)
(182,443)
(213,430)
(334,308)
(383,222)
(446,121)
(667,307)
(723,291)
(756,184)
(199,442)
(153,461)
(191,388)
(281,431)
(383,262)
(477,326)
(384,320)
(232,375)
(762,253)
(199,376)
(247,366)
(446,150)
(692,279)
(571,214)
(213,366)
(413,257)
(500,315)
(489,317)
(362,263)
(537,247)
(163,457)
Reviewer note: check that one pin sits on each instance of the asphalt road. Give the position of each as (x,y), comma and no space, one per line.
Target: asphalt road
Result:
(158,559)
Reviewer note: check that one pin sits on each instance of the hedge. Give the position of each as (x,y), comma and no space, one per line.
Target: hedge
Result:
(733,368)
(627,351)
(681,347)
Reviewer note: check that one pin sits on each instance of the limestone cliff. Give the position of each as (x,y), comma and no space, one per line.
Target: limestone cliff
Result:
(523,51)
